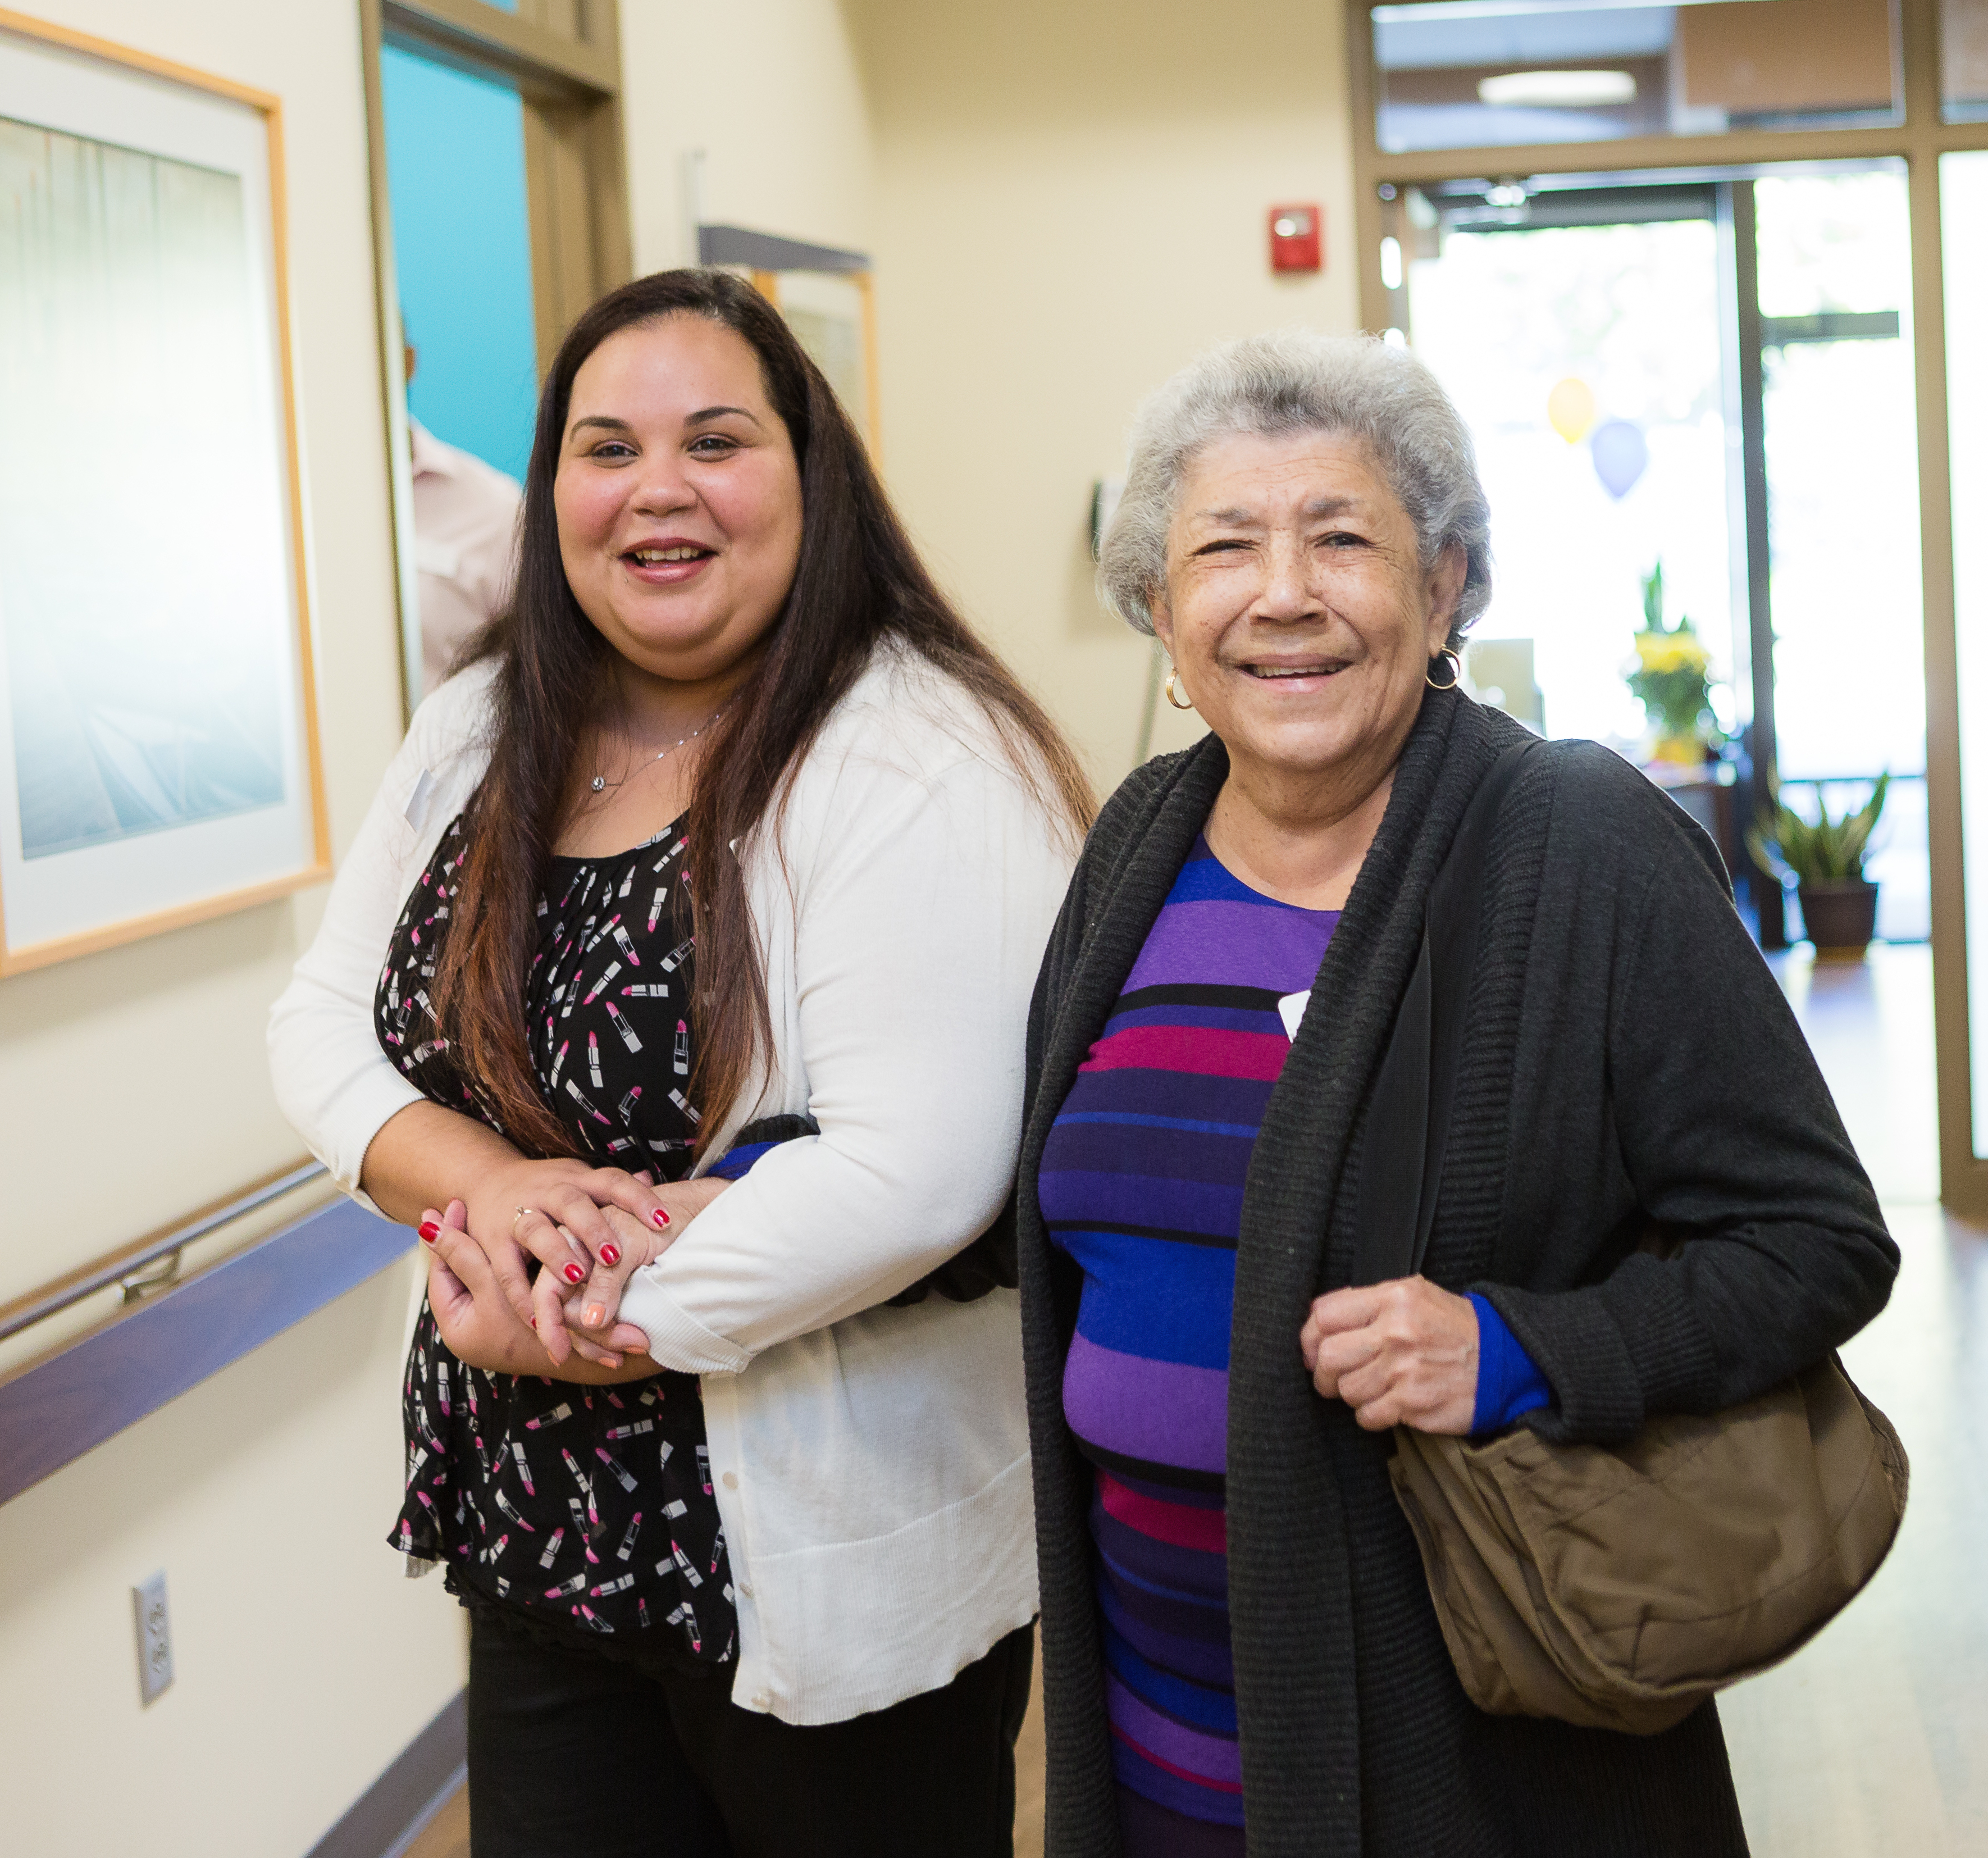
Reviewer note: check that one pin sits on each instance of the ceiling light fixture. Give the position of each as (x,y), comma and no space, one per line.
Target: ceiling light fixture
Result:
(1557,90)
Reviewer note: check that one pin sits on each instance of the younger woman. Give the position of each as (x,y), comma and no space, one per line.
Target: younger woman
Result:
(726,865)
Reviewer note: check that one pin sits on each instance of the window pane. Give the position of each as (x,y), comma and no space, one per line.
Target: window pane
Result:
(1842,475)
(1963,188)
(1963,60)
(1471,73)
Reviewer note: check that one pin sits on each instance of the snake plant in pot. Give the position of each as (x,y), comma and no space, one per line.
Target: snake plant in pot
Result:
(1826,856)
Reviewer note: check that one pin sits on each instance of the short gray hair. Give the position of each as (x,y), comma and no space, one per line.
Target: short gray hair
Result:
(1297,381)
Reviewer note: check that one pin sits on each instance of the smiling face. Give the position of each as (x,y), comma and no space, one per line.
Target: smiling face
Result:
(678,498)
(1296,608)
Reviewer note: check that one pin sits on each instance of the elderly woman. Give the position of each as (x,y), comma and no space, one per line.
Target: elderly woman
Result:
(1236,1629)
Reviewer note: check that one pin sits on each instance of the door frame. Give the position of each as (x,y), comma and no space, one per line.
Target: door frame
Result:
(563,58)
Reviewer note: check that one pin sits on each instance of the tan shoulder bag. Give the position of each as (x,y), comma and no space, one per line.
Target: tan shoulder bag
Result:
(1612,1586)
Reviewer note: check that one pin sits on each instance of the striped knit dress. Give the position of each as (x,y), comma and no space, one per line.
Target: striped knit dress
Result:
(1141,1183)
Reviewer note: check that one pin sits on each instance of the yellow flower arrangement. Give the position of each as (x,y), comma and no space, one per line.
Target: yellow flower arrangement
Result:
(1672,677)
(1679,651)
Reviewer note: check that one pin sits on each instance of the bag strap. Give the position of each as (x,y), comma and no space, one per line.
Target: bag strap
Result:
(1409,1115)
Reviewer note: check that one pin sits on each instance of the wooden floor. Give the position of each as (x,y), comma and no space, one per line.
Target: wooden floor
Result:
(447,1834)
(1872,1742)
(1029,1754)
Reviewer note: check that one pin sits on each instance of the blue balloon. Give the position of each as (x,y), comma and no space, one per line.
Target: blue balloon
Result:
(1621,455)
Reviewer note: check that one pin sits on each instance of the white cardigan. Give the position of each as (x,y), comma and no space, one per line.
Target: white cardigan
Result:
(871,1463)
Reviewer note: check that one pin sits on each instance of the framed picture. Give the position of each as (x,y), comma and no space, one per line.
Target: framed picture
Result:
(159,758)
(825,295)
(833,316)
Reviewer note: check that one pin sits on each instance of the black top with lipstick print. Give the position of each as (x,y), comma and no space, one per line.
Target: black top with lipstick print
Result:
(584,1514)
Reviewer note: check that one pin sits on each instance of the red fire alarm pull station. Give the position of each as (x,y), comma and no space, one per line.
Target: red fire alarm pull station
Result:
(1296,239)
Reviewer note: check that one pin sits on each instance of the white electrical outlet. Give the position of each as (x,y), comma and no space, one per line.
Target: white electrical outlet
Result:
(155,1637)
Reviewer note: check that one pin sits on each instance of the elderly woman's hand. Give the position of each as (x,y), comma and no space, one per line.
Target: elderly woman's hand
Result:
(1403,1353)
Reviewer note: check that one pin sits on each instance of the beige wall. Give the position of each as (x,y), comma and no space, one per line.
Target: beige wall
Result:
(1071,201)
(305,1661)
(136,1088)
(771,92)
(1066,202)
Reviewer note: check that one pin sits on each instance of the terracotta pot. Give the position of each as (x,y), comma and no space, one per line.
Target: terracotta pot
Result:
(1839,917)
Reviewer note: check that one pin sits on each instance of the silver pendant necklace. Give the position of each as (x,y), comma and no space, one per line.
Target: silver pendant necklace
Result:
(600,781)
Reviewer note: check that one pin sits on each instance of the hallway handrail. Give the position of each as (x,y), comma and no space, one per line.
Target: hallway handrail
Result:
(89,1387)
(123,1265)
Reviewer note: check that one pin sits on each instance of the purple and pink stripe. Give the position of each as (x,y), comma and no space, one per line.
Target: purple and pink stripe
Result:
(1141,1183)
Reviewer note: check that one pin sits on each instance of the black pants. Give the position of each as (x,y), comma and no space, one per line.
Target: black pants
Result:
(572,1756)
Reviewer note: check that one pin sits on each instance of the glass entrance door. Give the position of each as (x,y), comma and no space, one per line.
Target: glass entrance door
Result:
(1586,358)
(1596,338)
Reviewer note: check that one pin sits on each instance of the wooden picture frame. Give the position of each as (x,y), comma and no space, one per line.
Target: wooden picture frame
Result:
(160,758)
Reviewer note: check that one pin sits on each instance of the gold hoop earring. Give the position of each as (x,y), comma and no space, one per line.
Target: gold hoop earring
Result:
(1455,670)
(1172,674)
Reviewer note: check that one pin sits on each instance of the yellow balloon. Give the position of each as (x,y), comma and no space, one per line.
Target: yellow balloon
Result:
(1570,409)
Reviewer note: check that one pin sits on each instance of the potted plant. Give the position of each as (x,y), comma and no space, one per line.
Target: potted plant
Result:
(1839,906)
(1671,679)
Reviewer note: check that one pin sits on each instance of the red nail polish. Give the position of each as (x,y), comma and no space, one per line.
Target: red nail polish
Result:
(574,1273)
(429,1229)
(534,1322)
(610,1255)
(660,1217)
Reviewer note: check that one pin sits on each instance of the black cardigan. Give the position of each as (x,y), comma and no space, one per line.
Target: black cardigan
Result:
(1628,1053)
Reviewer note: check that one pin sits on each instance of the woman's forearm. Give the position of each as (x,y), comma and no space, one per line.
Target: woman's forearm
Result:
(518,1351)
(592,1374)
(425,1156)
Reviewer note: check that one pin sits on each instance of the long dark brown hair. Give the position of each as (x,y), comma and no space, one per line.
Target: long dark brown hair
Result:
(858,582)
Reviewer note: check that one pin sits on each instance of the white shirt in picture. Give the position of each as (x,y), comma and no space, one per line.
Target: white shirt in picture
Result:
(465,546)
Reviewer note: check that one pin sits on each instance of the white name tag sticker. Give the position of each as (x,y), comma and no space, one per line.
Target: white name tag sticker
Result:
(1291,1010)
(417,810)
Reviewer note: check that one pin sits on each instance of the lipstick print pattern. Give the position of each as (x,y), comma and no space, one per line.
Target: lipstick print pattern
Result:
(531,1493)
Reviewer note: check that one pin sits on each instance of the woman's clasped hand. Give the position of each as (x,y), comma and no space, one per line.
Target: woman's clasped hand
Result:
(1402,1353)
(560,1212)
(579,1312)
(535,1293)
